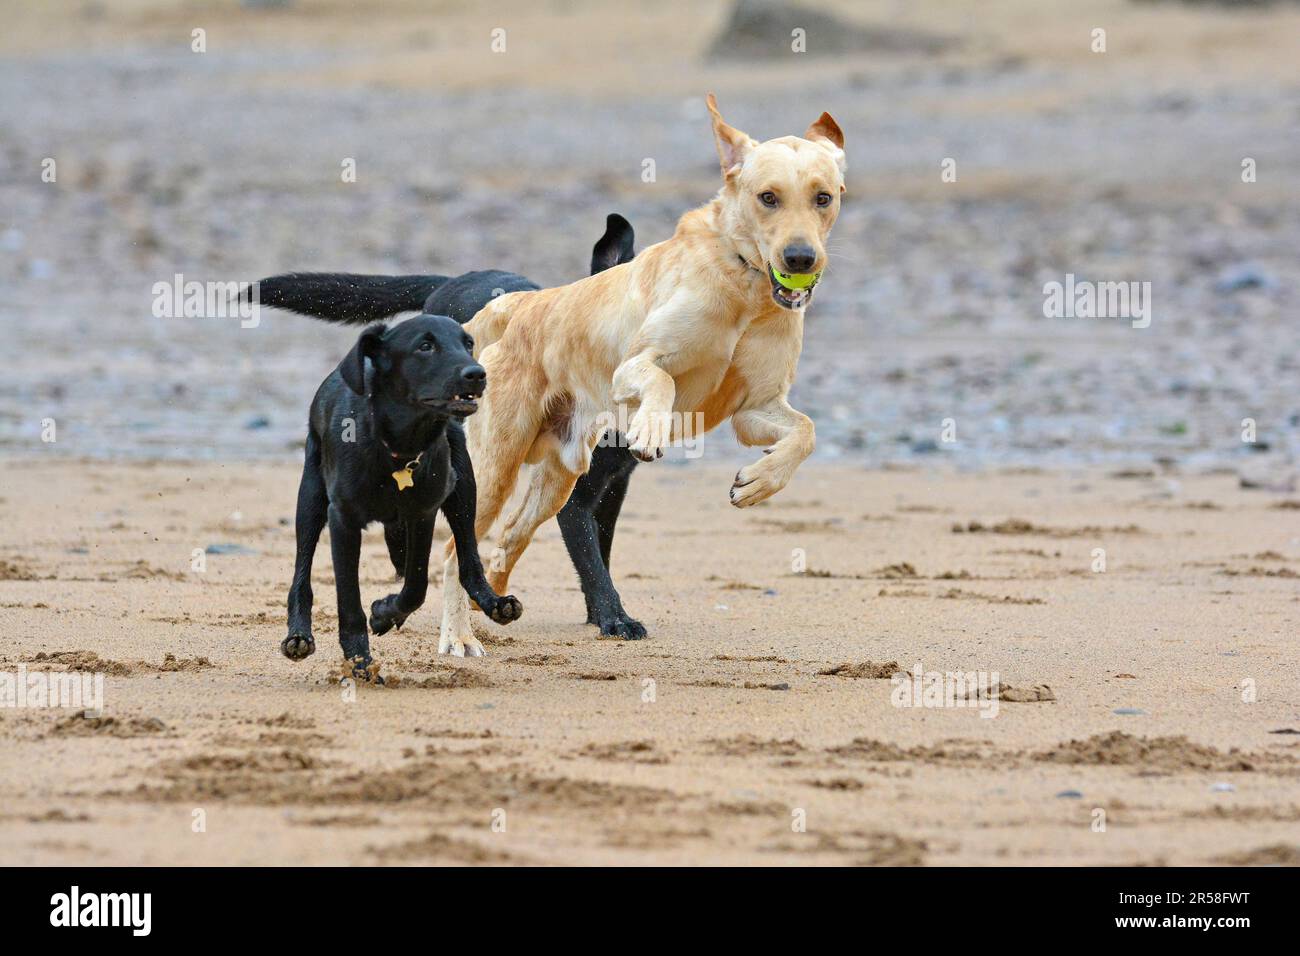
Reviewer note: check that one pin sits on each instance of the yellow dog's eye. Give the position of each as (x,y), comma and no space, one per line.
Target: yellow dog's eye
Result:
(823,199)
(768,198)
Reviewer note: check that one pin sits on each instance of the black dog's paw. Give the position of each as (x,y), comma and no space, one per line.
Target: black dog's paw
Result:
(363,670)
(298,647)
(620,625)
(384,615)
(506,609)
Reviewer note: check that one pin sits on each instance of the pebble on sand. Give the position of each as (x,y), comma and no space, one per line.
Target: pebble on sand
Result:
(228,549)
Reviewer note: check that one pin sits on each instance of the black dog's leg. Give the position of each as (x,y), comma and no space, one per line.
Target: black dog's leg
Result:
(588,539)
(582,540)
(611,501)
(308,521)
(393,610)
(395,536)
(345,546)
(459,507)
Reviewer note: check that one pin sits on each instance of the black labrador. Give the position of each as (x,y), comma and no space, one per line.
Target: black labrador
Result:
(587,521)
(384,444)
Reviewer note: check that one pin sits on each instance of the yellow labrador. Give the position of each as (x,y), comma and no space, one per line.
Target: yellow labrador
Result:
(703,327)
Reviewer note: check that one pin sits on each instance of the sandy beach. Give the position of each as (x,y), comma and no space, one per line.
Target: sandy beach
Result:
(1172,674)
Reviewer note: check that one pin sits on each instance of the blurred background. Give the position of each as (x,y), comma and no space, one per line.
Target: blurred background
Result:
(226,164)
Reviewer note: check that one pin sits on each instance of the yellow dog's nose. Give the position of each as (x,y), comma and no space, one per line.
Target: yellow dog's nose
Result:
(799,257)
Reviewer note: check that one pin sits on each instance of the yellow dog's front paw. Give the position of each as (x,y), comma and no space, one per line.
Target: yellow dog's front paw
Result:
(755,483)
(648,434)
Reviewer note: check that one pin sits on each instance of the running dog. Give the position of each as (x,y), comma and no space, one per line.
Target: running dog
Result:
(384,444)
(707,325)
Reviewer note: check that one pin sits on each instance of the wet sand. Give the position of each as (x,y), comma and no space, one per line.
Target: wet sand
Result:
(711,740)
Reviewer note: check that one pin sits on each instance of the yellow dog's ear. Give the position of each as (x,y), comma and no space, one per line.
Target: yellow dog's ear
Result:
(826,128)
(733,145)
(827,131)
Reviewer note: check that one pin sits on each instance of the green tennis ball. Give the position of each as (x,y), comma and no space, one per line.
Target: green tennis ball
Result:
(797,280)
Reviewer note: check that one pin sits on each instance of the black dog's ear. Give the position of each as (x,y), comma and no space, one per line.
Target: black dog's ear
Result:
(615,246)
(353,366)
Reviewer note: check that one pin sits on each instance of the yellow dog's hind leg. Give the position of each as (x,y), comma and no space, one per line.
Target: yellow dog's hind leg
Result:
(548,490)
(456,636)
(497,451)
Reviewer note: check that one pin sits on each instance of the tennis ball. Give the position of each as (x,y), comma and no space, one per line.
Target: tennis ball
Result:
(797,280)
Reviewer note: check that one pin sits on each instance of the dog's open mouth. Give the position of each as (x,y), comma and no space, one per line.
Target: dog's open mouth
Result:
(792,291)
(464,404)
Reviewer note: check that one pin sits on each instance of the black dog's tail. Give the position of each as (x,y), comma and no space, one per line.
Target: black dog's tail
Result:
(361,299)
(344,297)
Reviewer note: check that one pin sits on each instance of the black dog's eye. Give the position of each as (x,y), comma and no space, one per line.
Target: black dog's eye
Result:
(469,344)
(425,347)
(768,198)
(823,199)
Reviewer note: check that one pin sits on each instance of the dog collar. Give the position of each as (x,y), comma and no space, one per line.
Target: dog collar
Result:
(404,476)
(399,455)
(395,455)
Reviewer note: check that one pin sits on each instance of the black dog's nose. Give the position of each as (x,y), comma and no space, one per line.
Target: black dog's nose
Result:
(474,375)
(799,257)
